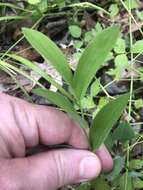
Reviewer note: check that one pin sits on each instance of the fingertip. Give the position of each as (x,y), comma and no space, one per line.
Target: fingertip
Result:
(90,167)
(105,158)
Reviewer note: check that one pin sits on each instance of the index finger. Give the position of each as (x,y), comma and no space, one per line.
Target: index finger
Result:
(49,125)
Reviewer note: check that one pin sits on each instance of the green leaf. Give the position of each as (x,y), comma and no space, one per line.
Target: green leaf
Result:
(135,174)
(121,63)
(98,27)
(114,10)
(49,51)
(119,163)
(139,14)
(120,46)
(136,164)
(109,142)
(138,103)
(137,47)
(43,6)
(34,2)
(87,103)
(132,4)
(105,119)
(121,130)
(102,102)
(88,36)
(78,44)
(83,186)
(138,183)
(77,55)
(62,102)
(93,58)
(75,31)
(100,184)
(122,182)
(95,88)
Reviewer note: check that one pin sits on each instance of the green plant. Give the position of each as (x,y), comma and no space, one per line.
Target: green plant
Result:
(92,59)
(122,71)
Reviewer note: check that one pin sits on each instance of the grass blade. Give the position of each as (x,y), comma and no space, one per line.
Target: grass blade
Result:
(12,6)
(40,72)
(20,71)
(6,18)
(89,5)
(105,119)
(92,59)
(49,51)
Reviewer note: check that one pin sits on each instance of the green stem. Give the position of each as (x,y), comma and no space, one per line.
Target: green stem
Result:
(131,92)
(88,5)
(15,7)
(82,112)
(17,82)
(131,16)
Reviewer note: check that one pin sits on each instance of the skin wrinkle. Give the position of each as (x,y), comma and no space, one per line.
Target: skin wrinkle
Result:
(13,142)
(60,166)
(18,124)
(21,121)
(7,148)
(5,152)
(39,128)
(25,108)
(37,125)
(57,161)
(35,136)
(37,169)
(31,138)
(17,120)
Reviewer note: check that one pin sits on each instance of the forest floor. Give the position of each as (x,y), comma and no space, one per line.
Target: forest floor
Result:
(72,25)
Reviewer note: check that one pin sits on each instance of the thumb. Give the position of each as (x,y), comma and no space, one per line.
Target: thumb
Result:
(54,169)
(61,167)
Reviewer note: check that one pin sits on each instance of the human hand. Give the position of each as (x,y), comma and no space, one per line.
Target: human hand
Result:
(24,125)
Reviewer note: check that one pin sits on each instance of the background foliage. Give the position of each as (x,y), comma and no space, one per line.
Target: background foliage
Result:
(72,25)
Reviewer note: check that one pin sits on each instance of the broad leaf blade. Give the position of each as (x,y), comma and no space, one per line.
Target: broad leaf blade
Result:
(49,51)
(92,59)
(62,102)
(105,119)
(100,184)
(119,164)
(121,130)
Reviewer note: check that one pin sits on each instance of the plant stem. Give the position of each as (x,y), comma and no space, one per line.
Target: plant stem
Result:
(17,82)
(131,91)
(131,16)
(88,5)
